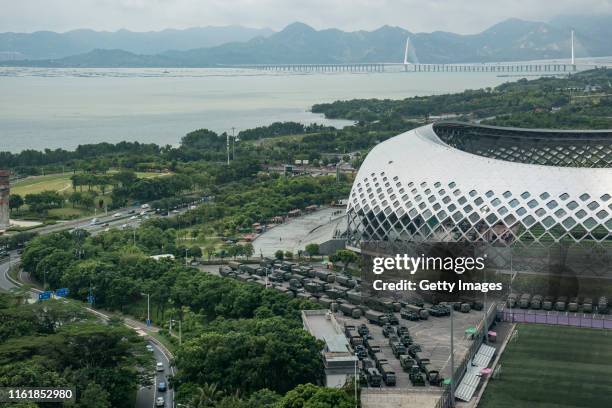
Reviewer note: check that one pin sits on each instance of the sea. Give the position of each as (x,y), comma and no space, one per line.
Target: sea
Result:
(48,108)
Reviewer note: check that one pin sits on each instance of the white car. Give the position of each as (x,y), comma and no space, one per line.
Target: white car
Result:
(159,366)
(150,348)
(159,402)
(133,217)
(117,215)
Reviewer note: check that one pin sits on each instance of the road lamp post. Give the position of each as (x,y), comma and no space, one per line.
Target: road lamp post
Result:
(180,330)
(148,295)
(452,360)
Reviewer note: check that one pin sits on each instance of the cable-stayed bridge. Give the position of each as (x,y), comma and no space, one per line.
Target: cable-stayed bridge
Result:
(537,67)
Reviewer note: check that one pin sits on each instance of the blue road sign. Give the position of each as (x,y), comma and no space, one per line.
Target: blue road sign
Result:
(61,292)
(91,299)
(44,295)
(148,322)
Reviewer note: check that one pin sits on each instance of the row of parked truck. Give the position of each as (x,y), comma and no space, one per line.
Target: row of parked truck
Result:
(375,366)
(561,303)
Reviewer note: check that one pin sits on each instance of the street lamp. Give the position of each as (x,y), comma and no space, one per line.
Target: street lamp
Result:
(180,330)
(148,307)
(452,360)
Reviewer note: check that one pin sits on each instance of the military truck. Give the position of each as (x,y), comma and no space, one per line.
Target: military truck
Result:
(439,310)
(465,308)
(409,315)
(525,300)
(388,375)
(224,270)
(333,293)
(325,301)
(295,284)
(406,340)
(511,301)
(587,305)
(387,330)
(363,330)
(398,349)
(547,304)
(354,297)
(376,317)
(573,304)
(401,330)
(406,362)
(313,287)
(361,352)
(415,376)
(536,302)
(374,378)
(477,305)
(350,310)
(433,377)
(346,281)
(602,305)
(381,305)
(561,303)
(392,318)
(423,313)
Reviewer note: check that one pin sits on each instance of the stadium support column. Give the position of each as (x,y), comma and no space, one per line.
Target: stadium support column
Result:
(4,199)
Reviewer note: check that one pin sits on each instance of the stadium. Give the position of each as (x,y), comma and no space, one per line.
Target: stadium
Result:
(526,196)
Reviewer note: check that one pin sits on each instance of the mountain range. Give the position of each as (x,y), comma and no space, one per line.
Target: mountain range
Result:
(509,40)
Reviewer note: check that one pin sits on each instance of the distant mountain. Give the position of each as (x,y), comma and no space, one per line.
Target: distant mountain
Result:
(51,45)
(510,40)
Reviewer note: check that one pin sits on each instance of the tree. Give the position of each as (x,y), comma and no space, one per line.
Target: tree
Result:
(248,250)
(311,396)
(312,249)
(195,251)
(206,396)
(15,202)
(345,257)
(94,396)
(279,254)
(210,251)
(288,255)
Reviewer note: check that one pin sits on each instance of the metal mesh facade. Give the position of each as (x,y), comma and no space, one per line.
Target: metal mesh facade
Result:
(451,182)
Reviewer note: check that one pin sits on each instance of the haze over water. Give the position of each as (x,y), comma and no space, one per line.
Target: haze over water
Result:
(50,108)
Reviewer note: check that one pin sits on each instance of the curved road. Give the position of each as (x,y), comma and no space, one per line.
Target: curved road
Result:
(146,395)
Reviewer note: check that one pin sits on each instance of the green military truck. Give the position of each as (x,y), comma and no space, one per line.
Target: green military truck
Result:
(376,317)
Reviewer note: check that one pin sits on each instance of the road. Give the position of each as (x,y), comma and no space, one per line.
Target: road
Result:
(145,397)
(295,234)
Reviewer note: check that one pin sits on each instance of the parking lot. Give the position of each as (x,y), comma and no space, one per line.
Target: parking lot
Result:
(432,334)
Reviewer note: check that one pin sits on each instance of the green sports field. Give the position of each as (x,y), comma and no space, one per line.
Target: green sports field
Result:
(56,182)
(554,367)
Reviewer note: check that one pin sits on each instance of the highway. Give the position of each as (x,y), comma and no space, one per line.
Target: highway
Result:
(146,396)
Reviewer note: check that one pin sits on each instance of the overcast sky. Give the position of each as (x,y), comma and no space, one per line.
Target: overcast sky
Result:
(462,16)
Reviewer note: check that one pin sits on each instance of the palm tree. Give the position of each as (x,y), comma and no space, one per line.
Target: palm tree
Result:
(206,396)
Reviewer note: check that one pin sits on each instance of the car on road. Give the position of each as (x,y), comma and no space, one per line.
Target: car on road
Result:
(159,366)
(94,221)
(117,215)
(132,212)
(150,348)
(133,217)
(161,387)
(160,402)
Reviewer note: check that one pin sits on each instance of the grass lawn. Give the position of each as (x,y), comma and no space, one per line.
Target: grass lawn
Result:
(58,182)
(554,367)
(38,184)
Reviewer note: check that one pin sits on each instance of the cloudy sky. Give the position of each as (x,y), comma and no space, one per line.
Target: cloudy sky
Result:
(462,16)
